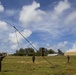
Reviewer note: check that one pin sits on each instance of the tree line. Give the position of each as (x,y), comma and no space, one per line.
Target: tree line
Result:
(31,51)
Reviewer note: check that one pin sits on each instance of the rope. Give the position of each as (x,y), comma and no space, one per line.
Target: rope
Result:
(17,39)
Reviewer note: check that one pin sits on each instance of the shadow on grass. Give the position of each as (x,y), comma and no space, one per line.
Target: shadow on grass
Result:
(8,71)
(55,66)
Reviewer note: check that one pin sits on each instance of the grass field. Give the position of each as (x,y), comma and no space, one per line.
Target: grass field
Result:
(17,65)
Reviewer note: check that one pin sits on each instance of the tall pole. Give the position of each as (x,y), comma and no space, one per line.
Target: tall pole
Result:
(32,45)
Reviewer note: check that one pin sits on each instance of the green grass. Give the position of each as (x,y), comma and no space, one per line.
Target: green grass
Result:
(17,65)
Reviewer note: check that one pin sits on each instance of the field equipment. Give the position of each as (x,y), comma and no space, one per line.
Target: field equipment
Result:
(33,46)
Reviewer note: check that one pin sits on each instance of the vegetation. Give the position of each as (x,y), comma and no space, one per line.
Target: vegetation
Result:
(51,51)
(60,52)
(24,52)
(23,65)
(30,51)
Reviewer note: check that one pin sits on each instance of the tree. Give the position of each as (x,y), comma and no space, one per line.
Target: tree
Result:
(20,52)
(29,51)
(60,52)
(37,53)
(51,51)
(24,52)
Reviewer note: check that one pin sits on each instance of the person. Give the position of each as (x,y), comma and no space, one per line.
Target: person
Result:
(1,58)
(33,58)
(68,58)
(0,64)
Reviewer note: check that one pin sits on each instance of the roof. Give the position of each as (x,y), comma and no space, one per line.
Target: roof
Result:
(52,54)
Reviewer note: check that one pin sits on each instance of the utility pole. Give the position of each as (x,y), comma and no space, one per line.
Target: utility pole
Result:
(42,51)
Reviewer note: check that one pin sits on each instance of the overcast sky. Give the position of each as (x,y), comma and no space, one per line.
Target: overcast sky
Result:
(45,23)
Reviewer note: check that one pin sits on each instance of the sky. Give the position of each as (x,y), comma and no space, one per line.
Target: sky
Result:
(45,23)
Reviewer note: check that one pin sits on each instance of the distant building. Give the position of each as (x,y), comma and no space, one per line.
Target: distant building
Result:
(71,52)
(52,54)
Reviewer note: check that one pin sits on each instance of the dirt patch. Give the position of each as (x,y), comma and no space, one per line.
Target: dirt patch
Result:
(72,70)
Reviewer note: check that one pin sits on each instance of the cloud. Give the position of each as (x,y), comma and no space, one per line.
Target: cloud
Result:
(30,13)
(10,12)
(35,44)
(70,22)
(73,49)
(1,8)
(45,21)
(3,25)
(17,38)
(60,45)
(62,6)
(13,38)
(47,25)
(15,46)
(71,18)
